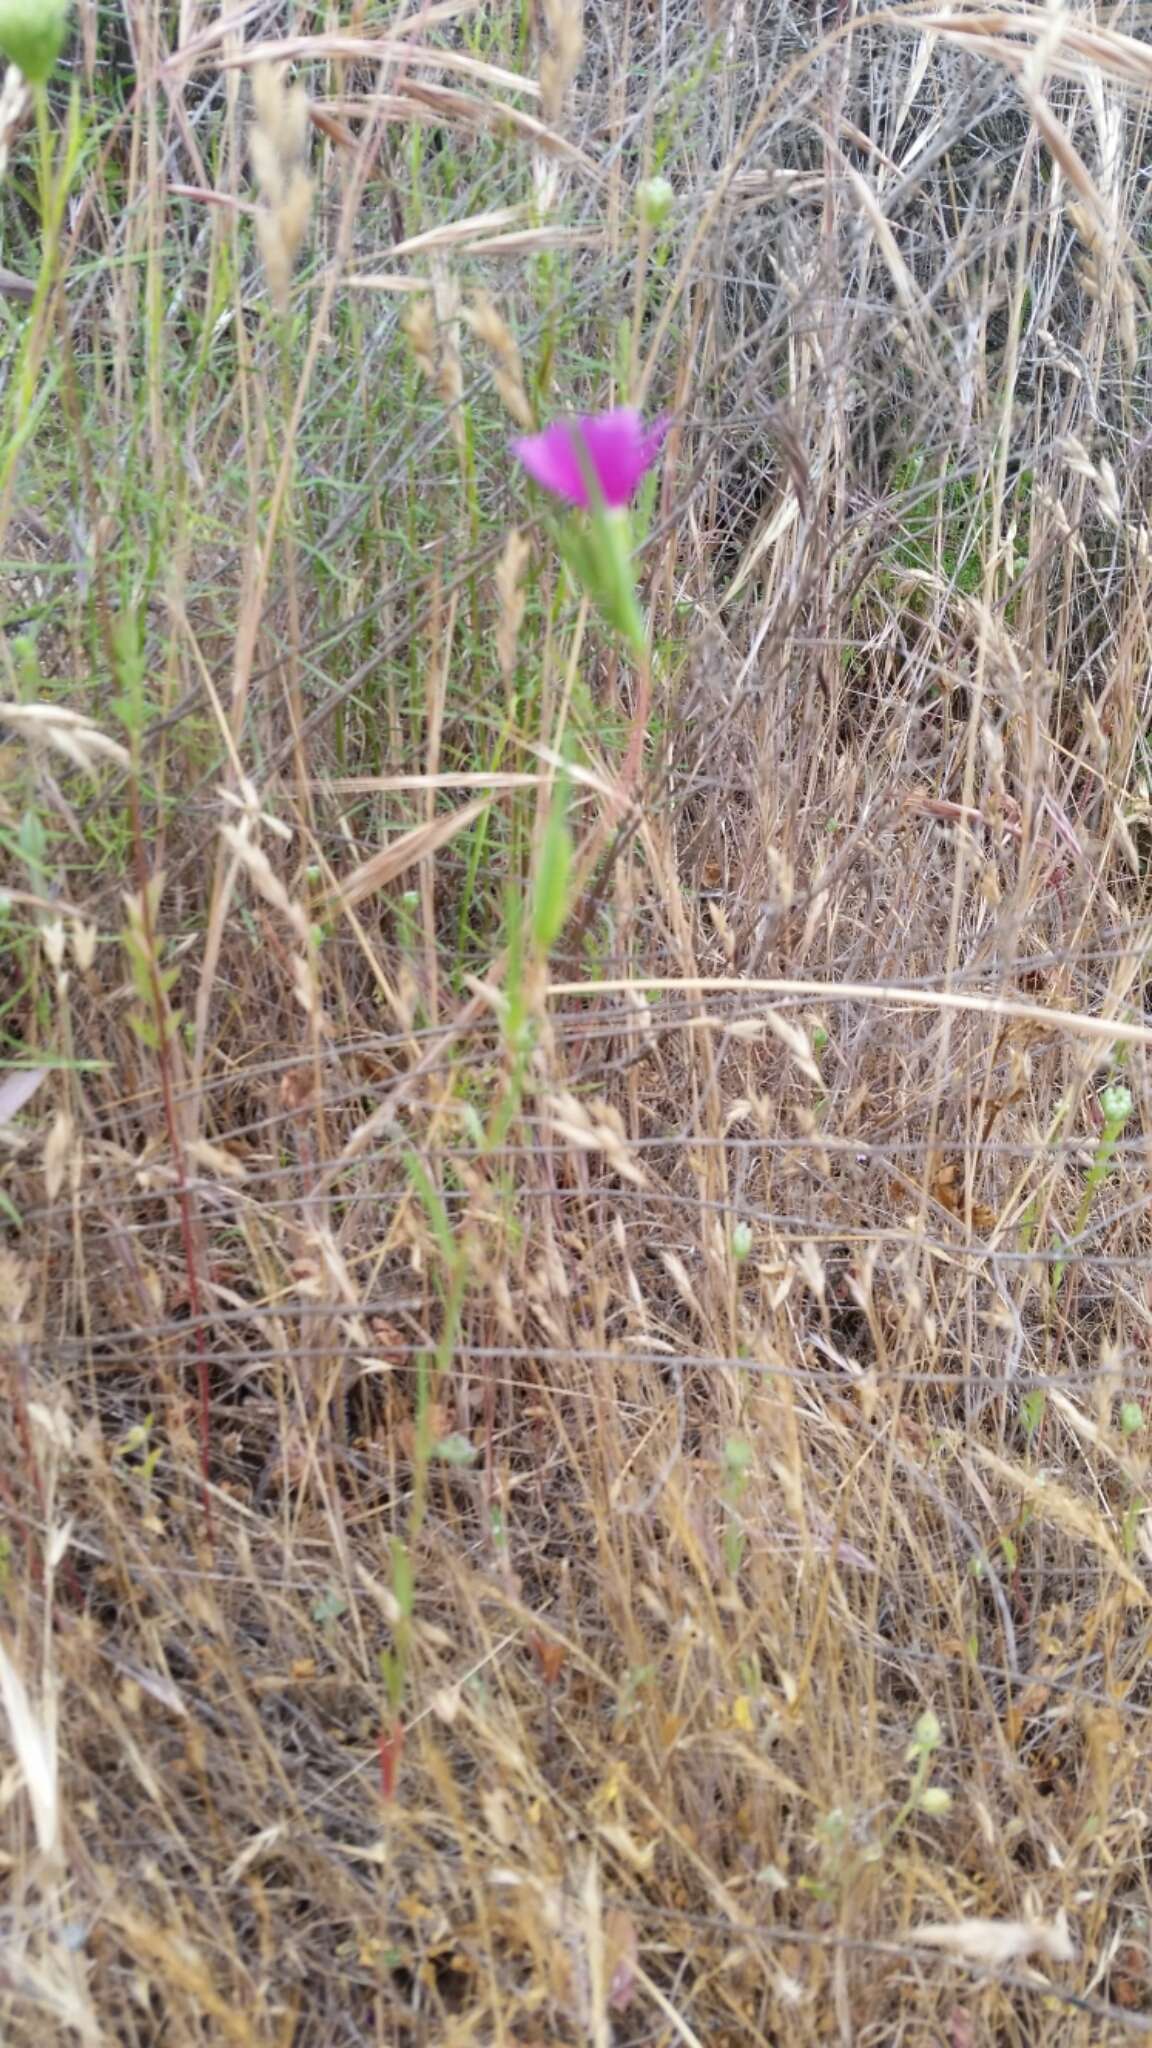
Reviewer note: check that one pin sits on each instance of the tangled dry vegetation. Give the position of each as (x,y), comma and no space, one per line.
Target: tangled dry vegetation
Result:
(593,1491)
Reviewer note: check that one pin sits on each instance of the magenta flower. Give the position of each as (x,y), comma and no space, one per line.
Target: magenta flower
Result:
(611,450)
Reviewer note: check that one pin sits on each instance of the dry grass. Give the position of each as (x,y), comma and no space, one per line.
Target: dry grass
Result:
(594,1493)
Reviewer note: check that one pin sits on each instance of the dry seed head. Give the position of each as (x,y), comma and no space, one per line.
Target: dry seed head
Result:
(306,990)
(277,148)
(264,878)
(1107,492)
(264,158)
(490,327)
(75,737)
(59,1153)
(245,799)
(515,398)
(545,184)
(1102,274)
(281,119)
(32,1729)
(431,328)
(593,1127)
(52,938)
(561,61)
(1077,457)
(15,1289)
(510,594)
(419,324)
(492,330)
(450,377)
(1100,475)
(296,210)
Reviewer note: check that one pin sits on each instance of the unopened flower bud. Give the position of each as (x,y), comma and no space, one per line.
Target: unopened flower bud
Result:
(32,34)
(654,201)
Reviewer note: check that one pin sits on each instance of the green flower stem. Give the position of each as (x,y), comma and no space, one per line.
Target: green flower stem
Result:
(56,168)
(1116,1103)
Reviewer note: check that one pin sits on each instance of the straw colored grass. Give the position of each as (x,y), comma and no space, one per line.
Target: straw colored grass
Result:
(592,1491)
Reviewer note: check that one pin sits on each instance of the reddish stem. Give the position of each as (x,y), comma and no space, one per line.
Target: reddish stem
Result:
(391,1749)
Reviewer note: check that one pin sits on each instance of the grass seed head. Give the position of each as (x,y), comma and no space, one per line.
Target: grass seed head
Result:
(277,152)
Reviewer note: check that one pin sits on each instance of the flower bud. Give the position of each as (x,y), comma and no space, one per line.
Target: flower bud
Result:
(654,201)
(935,1801)
(32,34)
(1116,1103)
(737,1456)
(741,1241)
(926,1736)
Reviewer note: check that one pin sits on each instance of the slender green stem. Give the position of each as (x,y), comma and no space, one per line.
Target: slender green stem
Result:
(1116,1103)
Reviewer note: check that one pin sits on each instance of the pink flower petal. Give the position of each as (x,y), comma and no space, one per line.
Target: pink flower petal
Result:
(552,462)
(621,450)
(616,446)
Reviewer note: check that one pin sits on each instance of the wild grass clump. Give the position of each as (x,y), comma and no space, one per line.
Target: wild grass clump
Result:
(574,1114)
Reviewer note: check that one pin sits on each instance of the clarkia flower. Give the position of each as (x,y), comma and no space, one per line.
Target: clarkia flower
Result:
(597,459)
(594,463)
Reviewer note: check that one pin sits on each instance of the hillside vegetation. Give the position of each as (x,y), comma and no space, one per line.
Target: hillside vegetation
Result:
(575,1284)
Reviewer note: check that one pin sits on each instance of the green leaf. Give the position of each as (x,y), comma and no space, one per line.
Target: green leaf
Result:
(433,1207)
(131,704)
(32,841)
(1032,1410)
